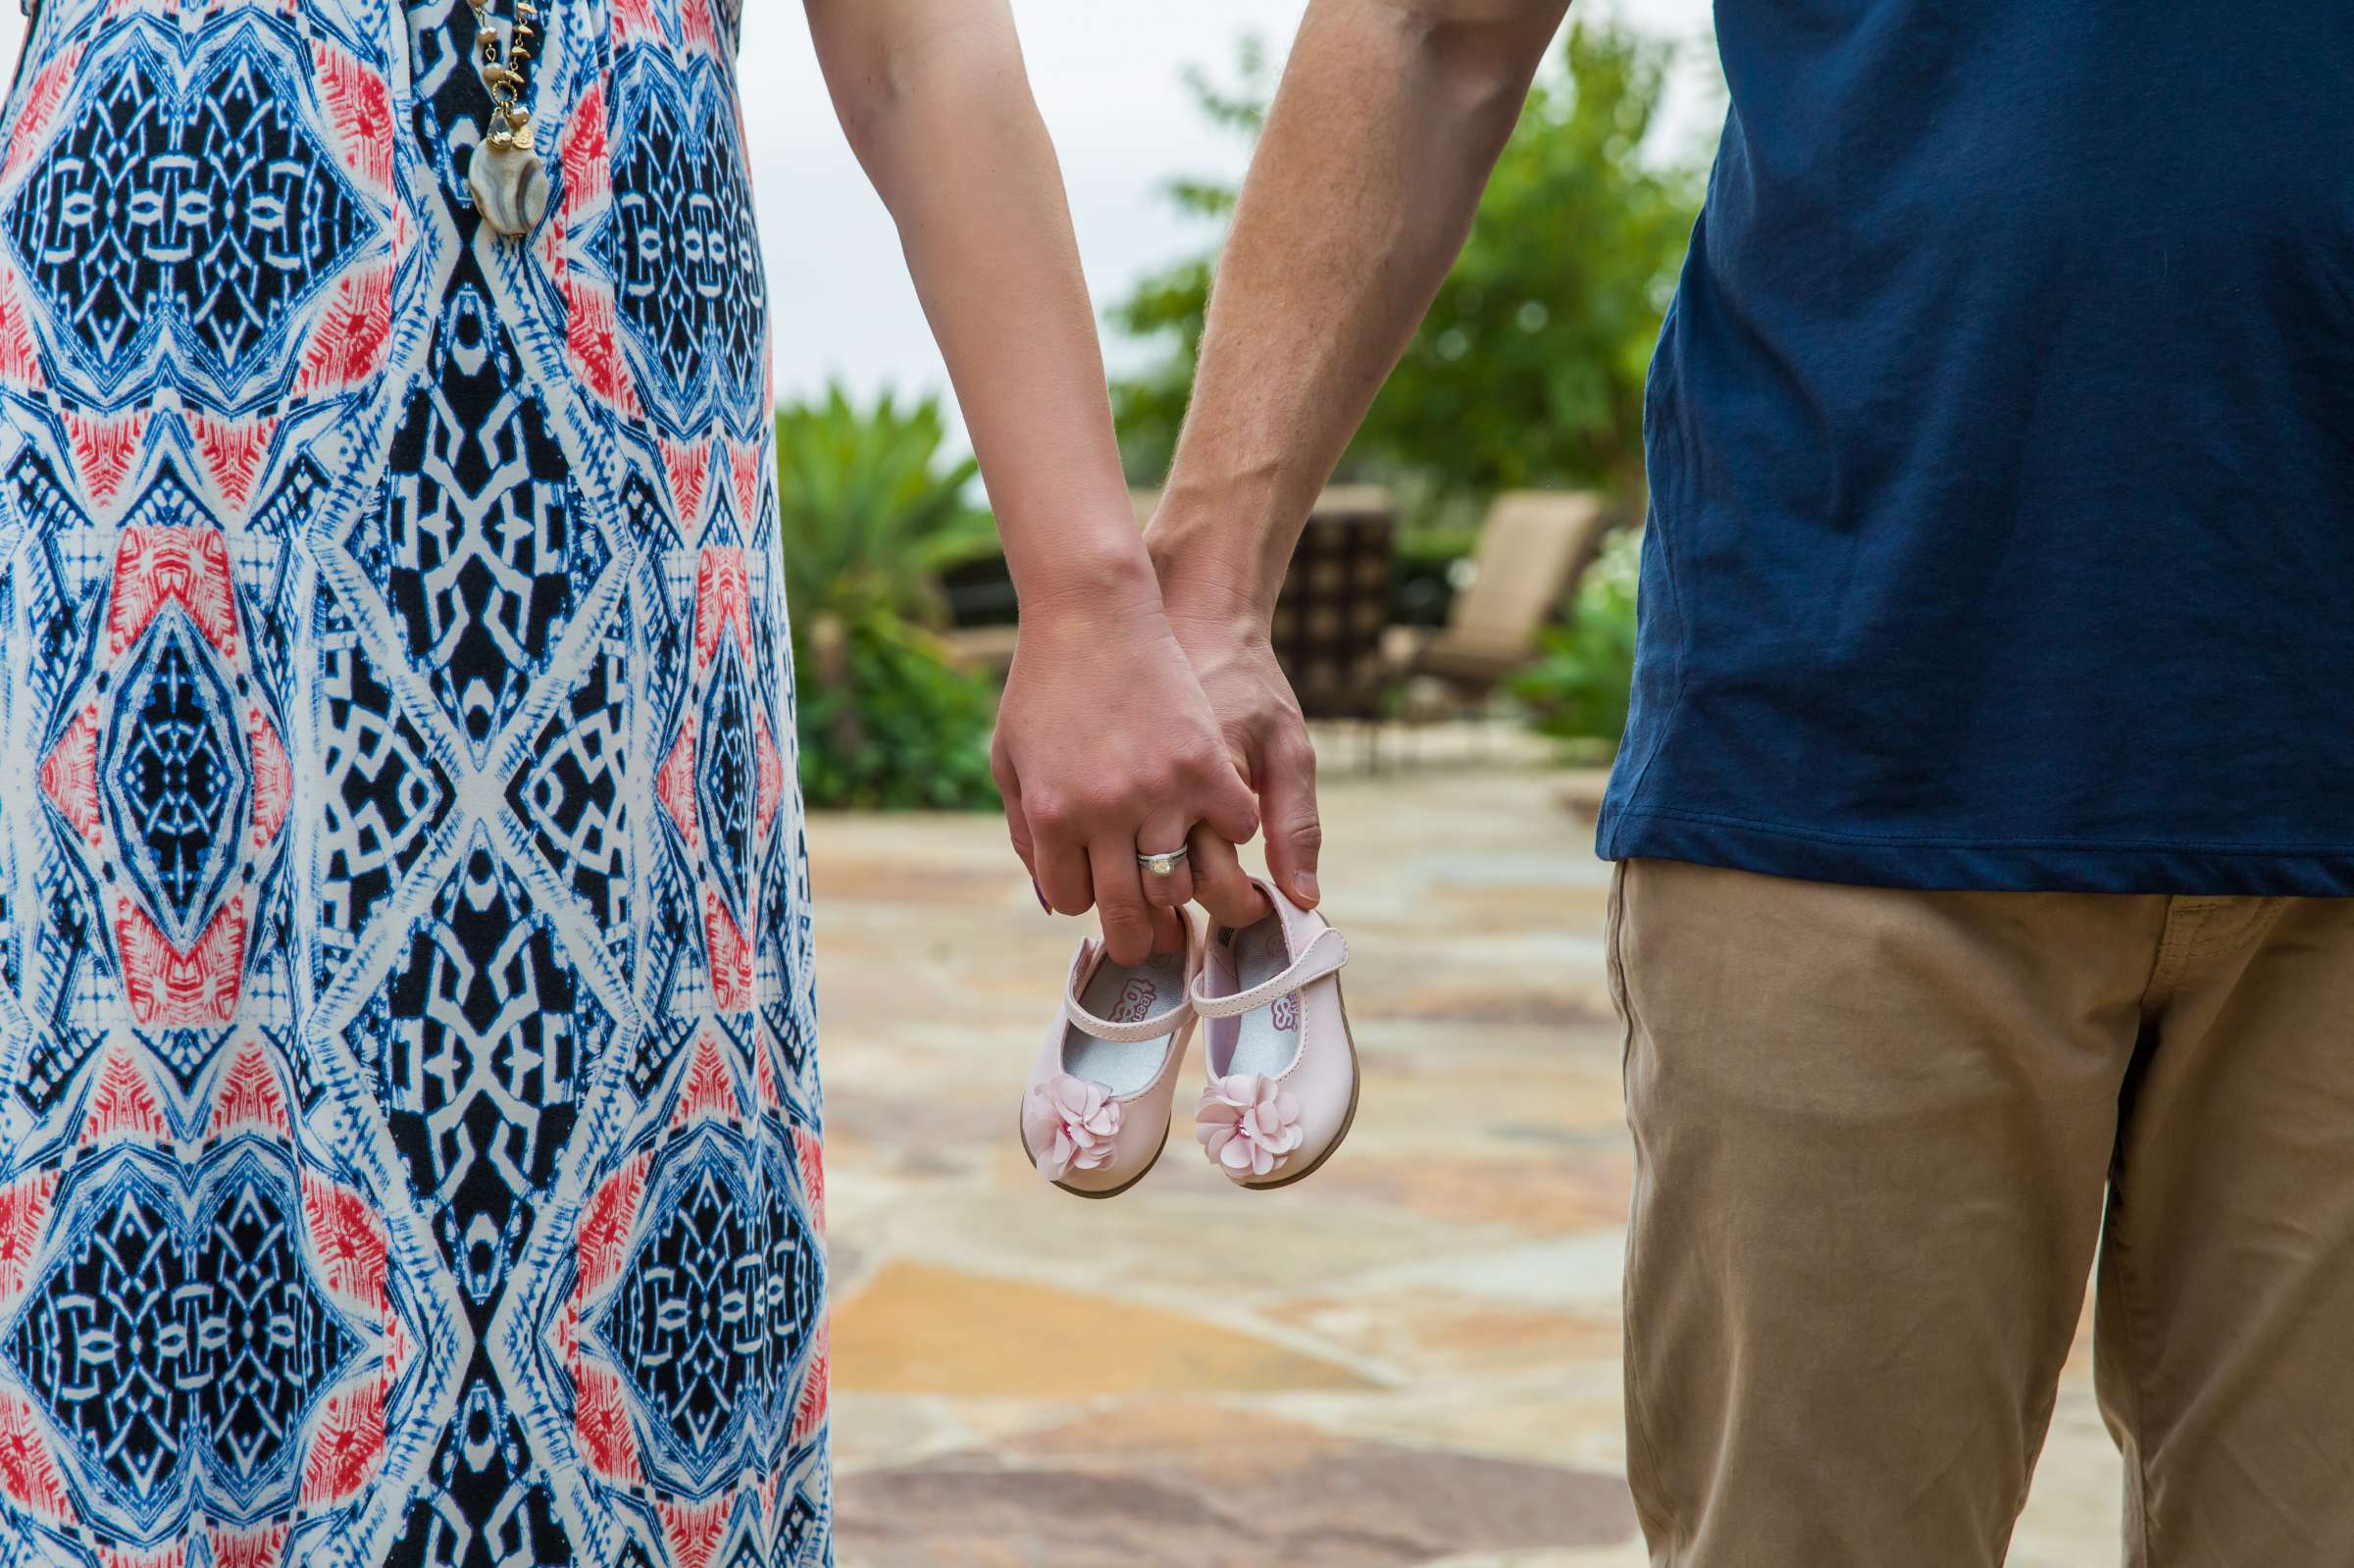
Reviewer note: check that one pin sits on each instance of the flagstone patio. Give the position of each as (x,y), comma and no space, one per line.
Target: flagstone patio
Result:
(1410,1361)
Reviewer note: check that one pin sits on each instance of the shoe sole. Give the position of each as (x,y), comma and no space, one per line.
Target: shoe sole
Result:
(1357,1083)
(1110,1191)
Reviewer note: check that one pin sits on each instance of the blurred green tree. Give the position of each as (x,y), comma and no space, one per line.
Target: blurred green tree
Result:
(1530,368)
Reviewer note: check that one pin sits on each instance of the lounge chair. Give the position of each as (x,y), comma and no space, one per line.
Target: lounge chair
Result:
(1532,548)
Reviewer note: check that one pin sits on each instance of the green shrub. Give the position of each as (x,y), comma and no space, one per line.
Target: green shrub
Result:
(1577,689)
(871,510)
(887,723)
(871,513)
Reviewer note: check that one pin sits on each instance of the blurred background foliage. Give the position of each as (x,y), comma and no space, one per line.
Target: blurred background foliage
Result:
(872,506)
(1578,688)
(1528,370)
(873,509)
(888,722)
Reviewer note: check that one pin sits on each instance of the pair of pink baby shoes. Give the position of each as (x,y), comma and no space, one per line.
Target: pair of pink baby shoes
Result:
(1283,1080)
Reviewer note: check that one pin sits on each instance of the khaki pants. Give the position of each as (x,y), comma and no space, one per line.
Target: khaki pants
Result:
(1880,1137)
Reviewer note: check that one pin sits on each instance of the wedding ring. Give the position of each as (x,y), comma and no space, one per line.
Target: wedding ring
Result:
(1163,865)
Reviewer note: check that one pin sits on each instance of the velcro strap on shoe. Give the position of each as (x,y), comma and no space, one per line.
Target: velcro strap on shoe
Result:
(1161,1023)
(1164,1022)
(1324,956)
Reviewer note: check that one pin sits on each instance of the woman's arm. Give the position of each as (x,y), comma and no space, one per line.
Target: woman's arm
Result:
(1105,741)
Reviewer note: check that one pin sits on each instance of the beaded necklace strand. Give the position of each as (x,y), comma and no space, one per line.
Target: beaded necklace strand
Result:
(508,179)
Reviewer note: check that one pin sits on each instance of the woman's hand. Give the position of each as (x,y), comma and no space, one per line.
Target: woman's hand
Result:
(1106,749)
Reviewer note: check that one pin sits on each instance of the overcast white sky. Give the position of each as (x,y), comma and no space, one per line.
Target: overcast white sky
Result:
(1107,77)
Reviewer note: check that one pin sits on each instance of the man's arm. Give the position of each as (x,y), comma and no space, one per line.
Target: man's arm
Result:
(1388,119)
(1106,745)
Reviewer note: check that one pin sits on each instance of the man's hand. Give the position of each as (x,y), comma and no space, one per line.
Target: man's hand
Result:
(1106,749)
(1267,738)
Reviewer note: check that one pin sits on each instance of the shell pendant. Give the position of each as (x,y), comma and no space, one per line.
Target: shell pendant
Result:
(509,185)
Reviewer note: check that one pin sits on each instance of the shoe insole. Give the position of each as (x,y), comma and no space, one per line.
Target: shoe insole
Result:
(1267,1038)
(1125,995)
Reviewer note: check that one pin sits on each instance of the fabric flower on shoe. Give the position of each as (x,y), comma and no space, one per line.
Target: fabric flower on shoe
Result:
(1248,1124)
(1071,1122)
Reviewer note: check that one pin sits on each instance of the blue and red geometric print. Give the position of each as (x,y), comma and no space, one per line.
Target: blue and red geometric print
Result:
(409,1114)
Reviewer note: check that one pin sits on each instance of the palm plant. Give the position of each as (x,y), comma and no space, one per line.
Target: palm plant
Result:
(871,515)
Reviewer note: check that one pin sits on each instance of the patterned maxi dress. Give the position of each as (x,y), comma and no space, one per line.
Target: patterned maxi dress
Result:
(408,1118)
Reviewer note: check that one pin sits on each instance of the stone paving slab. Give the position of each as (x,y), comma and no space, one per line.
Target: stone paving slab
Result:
(1410,1361)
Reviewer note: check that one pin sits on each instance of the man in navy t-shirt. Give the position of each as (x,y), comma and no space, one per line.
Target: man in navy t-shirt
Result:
(1985,820)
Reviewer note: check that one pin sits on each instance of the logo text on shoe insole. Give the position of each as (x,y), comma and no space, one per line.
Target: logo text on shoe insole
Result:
(1136,1001)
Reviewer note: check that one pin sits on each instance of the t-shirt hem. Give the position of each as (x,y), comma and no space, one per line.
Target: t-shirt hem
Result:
(1953,865)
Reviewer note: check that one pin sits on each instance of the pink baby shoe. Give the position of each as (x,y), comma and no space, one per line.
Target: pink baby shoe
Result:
(1283,1080)
(1099,1103)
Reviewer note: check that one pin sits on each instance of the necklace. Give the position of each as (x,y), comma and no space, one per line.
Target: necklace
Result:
(508,180)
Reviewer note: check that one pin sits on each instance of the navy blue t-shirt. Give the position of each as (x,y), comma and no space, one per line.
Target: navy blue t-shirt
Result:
(2001,445)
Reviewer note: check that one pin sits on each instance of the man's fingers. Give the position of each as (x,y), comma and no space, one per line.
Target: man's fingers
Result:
(1220,885)
(1120,900)
(1229,806)
(1163,831)
(1295,832)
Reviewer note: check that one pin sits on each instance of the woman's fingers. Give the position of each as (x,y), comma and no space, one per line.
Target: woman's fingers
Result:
(1167,830)
(1120,900)
(1220,885)
(1059,863)
(1017,824)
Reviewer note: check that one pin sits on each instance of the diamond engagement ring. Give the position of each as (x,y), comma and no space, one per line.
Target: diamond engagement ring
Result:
(1163,865)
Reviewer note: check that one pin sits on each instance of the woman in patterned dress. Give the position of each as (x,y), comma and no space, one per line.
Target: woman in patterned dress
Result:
(409,1119)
